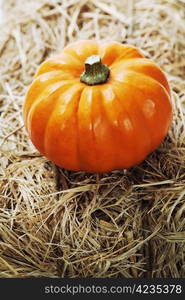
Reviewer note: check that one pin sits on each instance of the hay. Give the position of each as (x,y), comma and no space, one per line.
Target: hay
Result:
(57,223)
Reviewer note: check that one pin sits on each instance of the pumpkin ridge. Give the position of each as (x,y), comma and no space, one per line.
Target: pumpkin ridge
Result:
(75,90)
(145,63)
(93,121)
(86,161)
(40,86)
(42,96)
(53,75)
(58,63)
(149,78)
(39,98)
(145,76)
(129,118)
(136,87)
(52,102)
(77,129)
(93,130)
(111,52)
(113,150)
(146,128)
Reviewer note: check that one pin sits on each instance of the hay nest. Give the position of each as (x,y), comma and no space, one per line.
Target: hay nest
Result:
(57,223)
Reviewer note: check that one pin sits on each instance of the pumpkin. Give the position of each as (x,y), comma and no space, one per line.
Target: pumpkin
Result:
(98,107)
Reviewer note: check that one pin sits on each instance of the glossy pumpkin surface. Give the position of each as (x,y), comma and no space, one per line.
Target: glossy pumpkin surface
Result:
(100,127)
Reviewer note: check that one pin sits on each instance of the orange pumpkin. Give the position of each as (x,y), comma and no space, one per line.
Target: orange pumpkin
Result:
(98,107)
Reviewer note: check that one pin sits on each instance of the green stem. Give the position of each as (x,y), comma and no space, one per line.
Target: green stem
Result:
(95,72)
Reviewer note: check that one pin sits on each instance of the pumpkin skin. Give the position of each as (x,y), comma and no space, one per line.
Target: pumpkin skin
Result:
(103,127)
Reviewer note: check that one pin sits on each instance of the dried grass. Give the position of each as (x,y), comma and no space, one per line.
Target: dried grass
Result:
(57,223)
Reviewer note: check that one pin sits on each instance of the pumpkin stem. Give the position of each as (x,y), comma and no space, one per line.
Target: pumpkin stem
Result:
(95,72)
